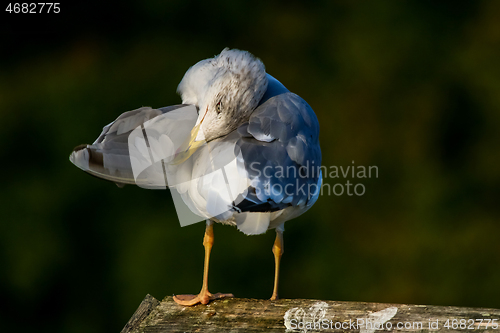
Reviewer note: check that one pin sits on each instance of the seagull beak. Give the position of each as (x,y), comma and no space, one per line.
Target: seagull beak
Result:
(190,145)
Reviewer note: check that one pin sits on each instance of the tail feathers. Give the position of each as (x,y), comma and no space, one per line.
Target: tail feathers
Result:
(108,157)
(110,164)
(253,223)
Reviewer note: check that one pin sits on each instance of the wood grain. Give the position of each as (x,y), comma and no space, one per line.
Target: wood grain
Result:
(253,315)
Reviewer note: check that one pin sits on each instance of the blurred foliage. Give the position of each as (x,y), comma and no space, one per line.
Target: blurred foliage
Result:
(411,87)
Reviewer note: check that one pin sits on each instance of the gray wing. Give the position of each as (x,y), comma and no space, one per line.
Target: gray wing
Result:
(108,157)
(281,154)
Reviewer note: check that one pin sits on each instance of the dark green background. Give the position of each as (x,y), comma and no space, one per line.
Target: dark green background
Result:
(411,87)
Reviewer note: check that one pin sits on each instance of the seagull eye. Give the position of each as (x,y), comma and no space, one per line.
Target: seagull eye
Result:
(218,107)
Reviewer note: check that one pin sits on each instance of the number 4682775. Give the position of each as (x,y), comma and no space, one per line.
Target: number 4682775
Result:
(33,8)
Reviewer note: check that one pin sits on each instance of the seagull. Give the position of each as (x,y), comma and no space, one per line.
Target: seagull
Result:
(230,107)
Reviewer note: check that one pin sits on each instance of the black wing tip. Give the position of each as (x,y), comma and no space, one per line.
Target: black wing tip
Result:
(246,205)
(80,147)
(90,160)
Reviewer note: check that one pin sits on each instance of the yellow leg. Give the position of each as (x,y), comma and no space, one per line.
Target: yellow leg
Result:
(278,250)
(208,242)
(204,297)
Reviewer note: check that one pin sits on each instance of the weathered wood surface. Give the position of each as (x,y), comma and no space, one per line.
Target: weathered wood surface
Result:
(148,304)
(302,315)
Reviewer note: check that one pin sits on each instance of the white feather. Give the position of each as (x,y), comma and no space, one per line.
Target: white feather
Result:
(253,223)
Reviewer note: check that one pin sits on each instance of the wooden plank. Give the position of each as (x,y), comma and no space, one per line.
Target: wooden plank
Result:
(303,315)
(147,305)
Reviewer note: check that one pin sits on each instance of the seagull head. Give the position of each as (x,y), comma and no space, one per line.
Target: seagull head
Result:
(225,89)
